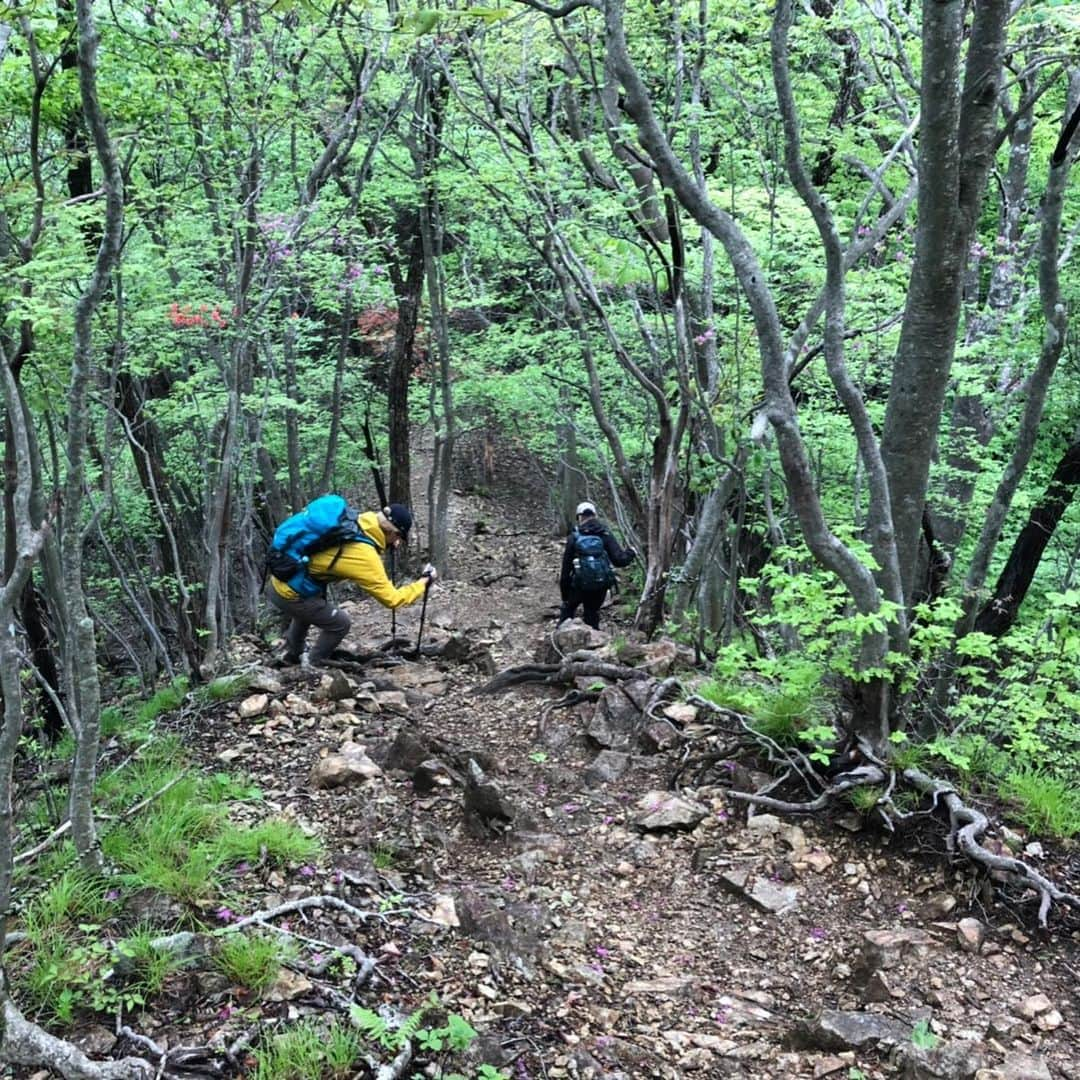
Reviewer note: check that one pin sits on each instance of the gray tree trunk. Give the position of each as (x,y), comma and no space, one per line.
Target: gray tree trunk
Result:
(80,665)
(956,150)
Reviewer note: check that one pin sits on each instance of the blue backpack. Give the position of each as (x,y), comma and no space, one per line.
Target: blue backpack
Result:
(592,567)
(325,522)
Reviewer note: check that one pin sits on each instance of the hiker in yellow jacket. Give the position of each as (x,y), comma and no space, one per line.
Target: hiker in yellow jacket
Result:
(354,560)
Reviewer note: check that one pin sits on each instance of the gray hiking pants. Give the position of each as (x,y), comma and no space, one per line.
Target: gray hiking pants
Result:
(307,612)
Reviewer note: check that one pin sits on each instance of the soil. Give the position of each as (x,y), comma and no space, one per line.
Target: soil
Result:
(577,942)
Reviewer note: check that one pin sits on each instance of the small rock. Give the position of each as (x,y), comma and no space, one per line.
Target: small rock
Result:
(606,768)
(660,735)
(879,989)
(1031,1006)
(487,810)
(884,948)
(1004,1027)
(837,1030)
(253,706)
(512,1010)
(1049,1021)
(940,905)
(971,934)
(764,825)
(950,1061)
(1013,840)
(818,861)
(662,810)
(826,1066)
(681,713)
(853,823)
(350,765)
(1018,1067)
(665,986)
(337,687)
(765,894)
(96,1041)
(445,912)
(393,701)
(432,774)
(288,985)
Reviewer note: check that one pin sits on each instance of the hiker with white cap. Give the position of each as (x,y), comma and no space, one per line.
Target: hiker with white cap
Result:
(588,563)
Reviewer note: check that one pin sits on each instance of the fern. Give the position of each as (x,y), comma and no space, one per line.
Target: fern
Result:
(372,1026)
(412,1024)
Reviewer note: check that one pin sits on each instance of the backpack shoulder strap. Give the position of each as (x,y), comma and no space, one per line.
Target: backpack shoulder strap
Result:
(359,538)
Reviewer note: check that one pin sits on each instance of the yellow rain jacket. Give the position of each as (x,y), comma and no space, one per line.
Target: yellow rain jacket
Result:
(361,563)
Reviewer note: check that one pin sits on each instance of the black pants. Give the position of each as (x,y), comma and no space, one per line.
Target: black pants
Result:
(591,600)
(332,622)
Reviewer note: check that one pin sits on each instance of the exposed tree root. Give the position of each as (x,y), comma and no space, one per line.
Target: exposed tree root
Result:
(396,1067)
(572,667)
(864,776)
(24,1043)
(969,826)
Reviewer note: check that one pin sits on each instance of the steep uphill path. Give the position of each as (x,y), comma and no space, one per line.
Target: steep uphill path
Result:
(573,911)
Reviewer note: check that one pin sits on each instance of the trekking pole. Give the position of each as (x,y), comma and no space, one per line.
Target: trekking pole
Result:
(423,612)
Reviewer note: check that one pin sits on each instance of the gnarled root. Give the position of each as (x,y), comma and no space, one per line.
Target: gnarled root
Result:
(968,827)
(864,776)
(24,1043)
(562,674)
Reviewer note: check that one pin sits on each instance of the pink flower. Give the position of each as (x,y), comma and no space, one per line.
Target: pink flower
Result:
(225,914)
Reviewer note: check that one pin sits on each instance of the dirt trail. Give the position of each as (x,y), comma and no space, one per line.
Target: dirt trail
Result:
(590,947)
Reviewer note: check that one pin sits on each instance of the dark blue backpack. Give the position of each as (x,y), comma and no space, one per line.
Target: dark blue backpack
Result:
(592,567)
(325,522)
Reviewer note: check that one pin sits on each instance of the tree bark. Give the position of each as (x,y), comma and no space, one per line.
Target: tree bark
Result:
(80,666)
(999,613)
(1054,313)
(956,146)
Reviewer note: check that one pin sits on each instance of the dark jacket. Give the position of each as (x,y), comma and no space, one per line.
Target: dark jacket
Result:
(591,527)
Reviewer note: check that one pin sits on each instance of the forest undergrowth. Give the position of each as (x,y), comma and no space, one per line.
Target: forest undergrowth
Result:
(253,924)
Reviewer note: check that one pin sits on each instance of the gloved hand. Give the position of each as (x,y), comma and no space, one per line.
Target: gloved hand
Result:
(430,573)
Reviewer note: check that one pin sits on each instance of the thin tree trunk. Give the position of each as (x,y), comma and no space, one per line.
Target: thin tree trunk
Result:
(407,292)
(1001,610)
(1054,313)
(84,692)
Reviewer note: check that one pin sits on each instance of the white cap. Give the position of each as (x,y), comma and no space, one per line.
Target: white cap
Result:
(585,508)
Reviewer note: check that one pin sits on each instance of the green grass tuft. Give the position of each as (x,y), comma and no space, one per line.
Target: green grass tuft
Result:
(278,842)
(252,962)
(309,1052)
(1045,804)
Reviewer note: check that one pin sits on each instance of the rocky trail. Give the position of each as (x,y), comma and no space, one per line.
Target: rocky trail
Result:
(528,860)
